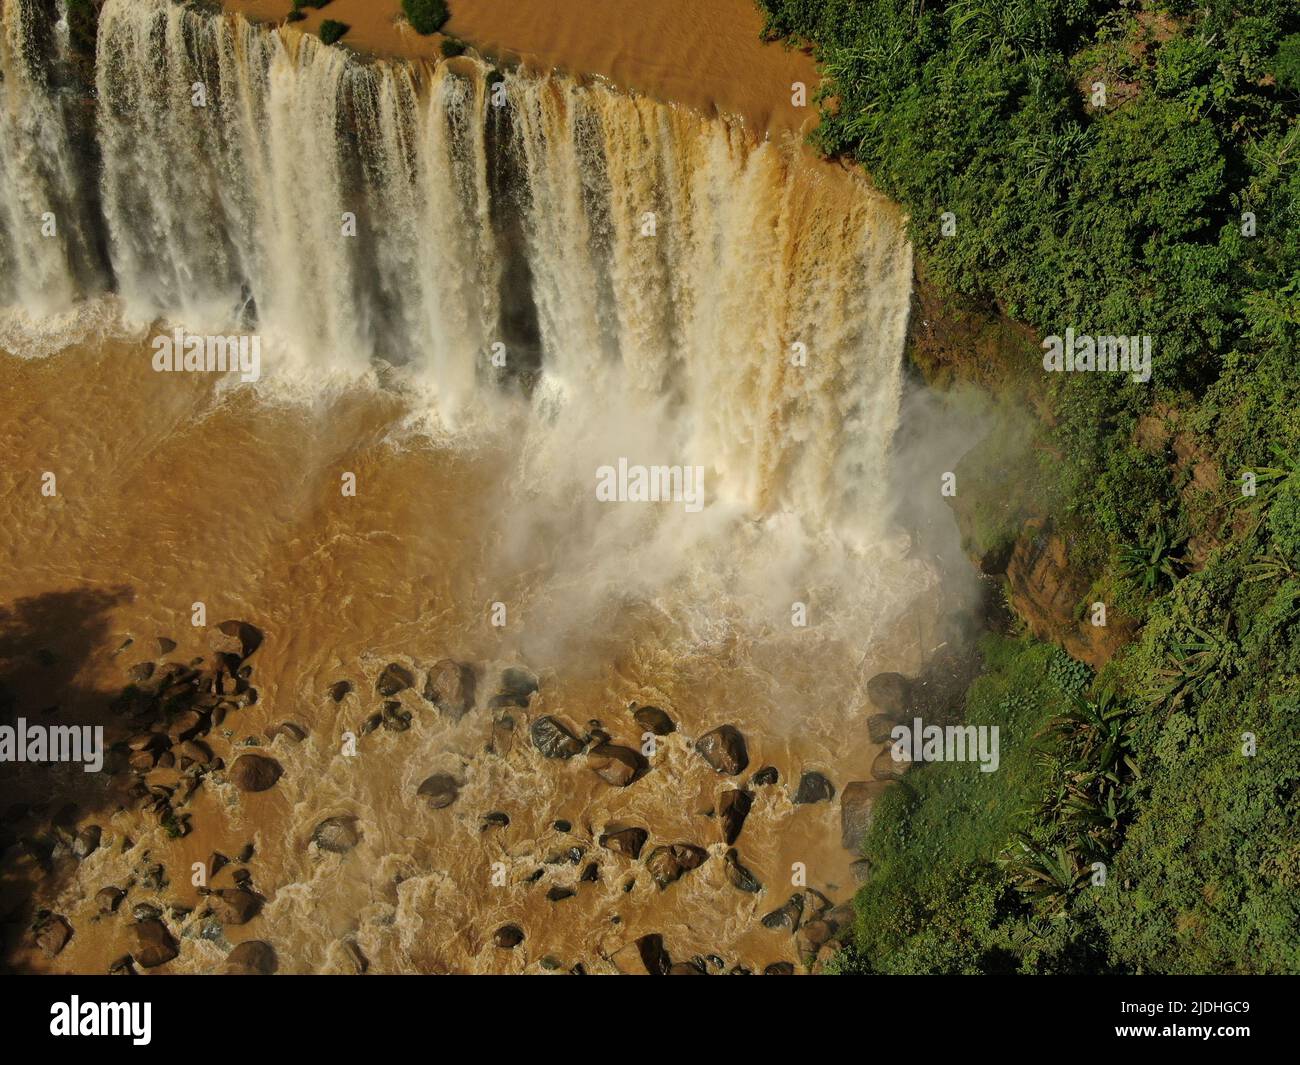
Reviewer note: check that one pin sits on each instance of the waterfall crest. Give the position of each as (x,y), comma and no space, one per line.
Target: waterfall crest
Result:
(621,253)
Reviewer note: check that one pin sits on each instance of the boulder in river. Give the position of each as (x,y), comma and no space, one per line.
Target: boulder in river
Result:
(653,956)
(394,678)
(553,739)
(667,864)
(891,694)
(813,787)
(724,749)
(109,898)
(733,808)
(52,934)
(652,719)
(439,790)
(739,875)
(151,944)
(450,687)
(787,916)
(517,687)
(625,841)
(235,637)
(508,936)
(880,727)
(233,905)
(254,772)
(253,957)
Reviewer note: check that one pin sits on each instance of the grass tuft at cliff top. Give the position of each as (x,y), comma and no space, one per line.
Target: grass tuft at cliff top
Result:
(1115,168)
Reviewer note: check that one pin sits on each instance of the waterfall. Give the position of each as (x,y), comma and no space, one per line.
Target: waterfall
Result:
(632,260)
(47,252)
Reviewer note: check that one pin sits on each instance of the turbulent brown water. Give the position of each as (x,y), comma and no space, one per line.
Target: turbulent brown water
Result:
(476,225)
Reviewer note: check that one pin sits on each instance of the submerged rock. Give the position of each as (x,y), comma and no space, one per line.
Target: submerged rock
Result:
(517,685)
(724,749)
(290,730)
(890,693)
(254,772)
(338,835)
(87,841)
(615,765)
(253,957)
(440,790)
(339,689)
(652,719)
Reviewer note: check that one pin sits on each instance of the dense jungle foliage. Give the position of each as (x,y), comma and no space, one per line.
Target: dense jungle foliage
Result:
(1115,168)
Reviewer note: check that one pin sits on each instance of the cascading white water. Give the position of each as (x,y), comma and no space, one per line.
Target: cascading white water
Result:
(638,254)
(43,246)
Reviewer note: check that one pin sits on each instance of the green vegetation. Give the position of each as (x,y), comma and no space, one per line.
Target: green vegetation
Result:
(451,47)
(426,16)
(1114,168)
(331,30)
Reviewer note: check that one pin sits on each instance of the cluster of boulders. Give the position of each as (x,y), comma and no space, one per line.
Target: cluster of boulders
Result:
(450,686)
(807,916)
(174,708)
(153,928)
